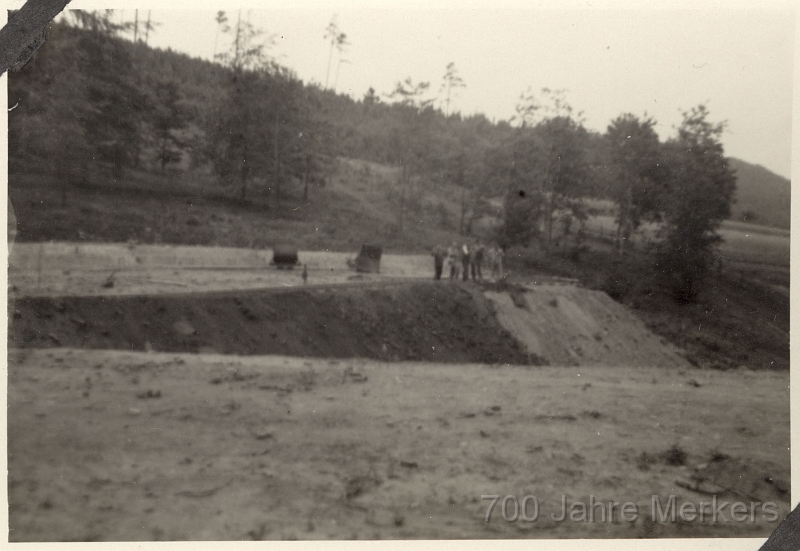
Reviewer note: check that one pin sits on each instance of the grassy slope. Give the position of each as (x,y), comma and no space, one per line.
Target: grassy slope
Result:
(150,208)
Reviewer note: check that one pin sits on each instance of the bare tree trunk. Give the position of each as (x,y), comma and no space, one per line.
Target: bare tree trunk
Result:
(551,204)
(163,151)
(216,39)
(135,26)
(243,176)
(624,219)
(277,173)
(549,221)
(236,59)
(460,183)
(402,197)
(305,178)
(330,58)
(245,170)
(463,211)
(336,78)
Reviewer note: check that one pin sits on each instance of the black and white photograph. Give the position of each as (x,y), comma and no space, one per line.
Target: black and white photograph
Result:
(402,271)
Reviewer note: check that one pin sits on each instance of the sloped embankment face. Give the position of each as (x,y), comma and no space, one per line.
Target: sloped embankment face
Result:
(423,321)
(576,326)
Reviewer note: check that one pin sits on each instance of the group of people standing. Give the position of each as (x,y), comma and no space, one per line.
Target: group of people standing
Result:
(465,260)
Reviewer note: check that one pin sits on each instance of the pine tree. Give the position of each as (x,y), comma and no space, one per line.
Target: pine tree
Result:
(114,103)
(169,116)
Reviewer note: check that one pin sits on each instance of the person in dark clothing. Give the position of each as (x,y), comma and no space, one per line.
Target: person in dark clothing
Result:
(477,261)
(439,254)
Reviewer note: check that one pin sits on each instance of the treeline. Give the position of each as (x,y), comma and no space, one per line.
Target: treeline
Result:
(91,102)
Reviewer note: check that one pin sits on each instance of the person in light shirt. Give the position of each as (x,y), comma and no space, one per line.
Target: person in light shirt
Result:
(465,262)
(453,261)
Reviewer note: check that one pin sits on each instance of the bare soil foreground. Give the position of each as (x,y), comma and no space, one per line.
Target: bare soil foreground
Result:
(109,445)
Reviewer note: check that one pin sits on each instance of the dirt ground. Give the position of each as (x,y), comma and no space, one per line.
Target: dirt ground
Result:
(245,440)
(110,445)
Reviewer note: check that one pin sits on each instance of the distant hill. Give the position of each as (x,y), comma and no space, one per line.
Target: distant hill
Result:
(762,197)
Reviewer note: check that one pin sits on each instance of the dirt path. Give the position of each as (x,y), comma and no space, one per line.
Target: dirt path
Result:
(133,446)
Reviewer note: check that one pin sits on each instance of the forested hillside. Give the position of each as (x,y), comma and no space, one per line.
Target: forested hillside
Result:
(96,110)
(762,197)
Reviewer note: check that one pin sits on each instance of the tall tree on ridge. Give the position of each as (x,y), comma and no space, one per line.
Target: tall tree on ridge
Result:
(222,26)
(149,26)
(337,39)
(451,80)
(341,45)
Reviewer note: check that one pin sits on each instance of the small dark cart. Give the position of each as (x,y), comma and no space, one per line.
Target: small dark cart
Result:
(284,256)
(369,259)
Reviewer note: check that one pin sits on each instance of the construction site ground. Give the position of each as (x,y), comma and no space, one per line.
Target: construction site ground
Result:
(171,393)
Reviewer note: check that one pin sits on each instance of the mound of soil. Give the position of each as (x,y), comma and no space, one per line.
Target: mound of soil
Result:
(571,325)
(421,321)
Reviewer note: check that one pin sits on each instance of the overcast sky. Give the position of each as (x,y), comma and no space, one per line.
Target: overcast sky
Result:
(659,60)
